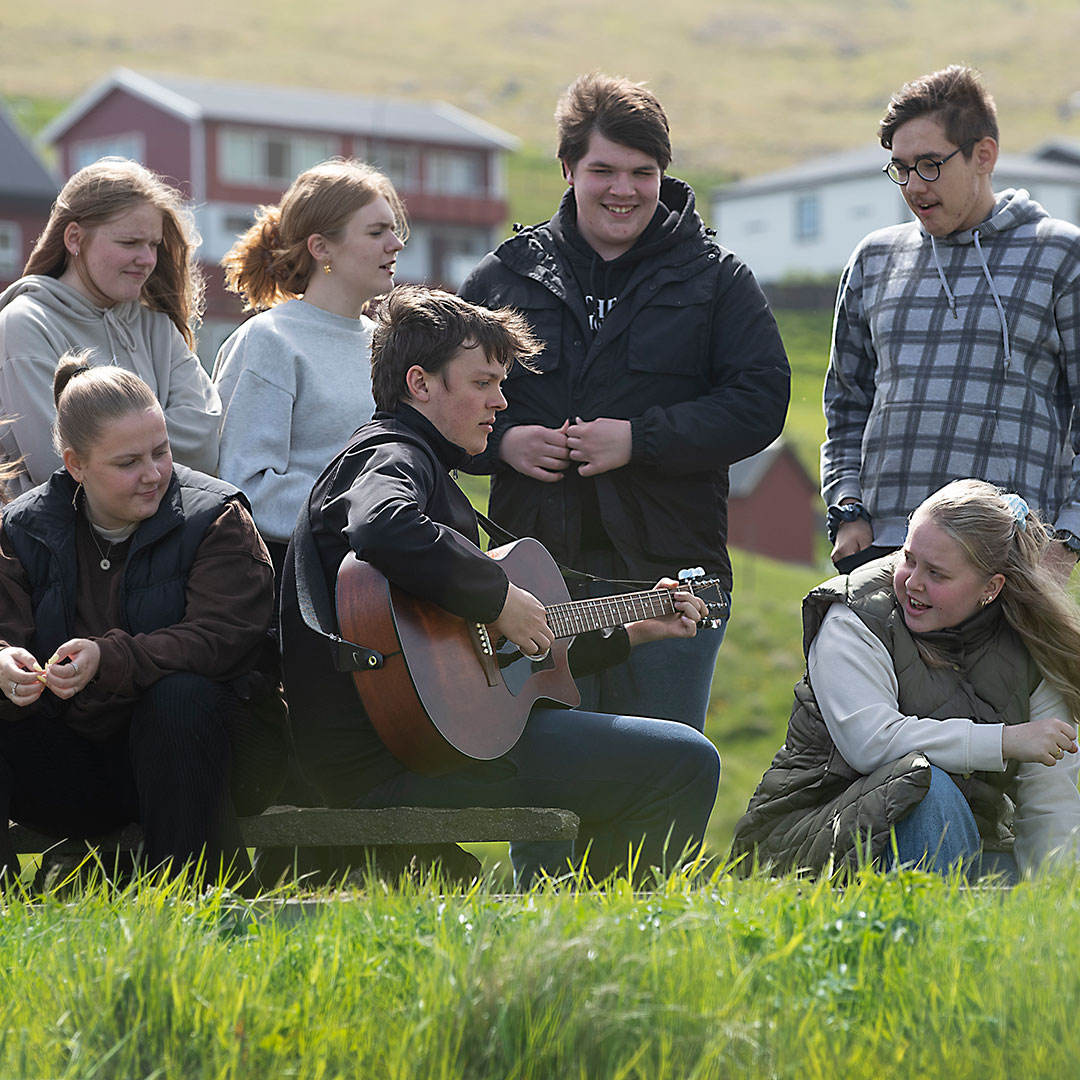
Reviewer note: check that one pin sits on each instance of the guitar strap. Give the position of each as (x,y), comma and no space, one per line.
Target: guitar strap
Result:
(504,536)
(313,599)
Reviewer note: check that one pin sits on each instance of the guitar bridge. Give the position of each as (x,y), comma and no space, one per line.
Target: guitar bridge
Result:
(485,652)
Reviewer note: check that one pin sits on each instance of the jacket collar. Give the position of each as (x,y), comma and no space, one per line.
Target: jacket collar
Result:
(51,510)
(449,455)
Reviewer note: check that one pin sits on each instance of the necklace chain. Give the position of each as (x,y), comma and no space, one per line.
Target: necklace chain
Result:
(106,562)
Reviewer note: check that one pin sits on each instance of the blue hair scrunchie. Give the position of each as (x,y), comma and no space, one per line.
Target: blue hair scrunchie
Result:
(1018,508)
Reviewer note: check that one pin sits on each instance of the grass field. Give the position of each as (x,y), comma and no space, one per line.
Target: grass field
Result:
(902,976)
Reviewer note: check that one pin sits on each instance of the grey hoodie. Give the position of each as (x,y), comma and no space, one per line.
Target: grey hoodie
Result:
(957,357)
(41,318)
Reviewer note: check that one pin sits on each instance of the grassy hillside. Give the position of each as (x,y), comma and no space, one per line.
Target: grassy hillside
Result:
(748,87)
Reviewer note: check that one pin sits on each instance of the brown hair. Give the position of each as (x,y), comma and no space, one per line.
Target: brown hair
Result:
(999,539)
(957,99)
(89,398)
(271,262)
(620,110)
(424,326)
(105,190)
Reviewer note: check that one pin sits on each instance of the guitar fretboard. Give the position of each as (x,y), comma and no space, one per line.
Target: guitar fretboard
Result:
(580,616)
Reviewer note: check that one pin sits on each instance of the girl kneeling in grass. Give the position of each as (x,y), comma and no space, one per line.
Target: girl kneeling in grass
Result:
(938,707)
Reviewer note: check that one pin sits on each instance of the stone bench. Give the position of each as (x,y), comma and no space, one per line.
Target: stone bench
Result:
(321,842)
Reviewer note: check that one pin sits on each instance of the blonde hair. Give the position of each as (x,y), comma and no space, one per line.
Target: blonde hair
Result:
(105,190)
(271,261)
(89,398)
(999,535)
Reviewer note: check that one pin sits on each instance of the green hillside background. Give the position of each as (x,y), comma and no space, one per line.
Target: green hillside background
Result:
(747,88)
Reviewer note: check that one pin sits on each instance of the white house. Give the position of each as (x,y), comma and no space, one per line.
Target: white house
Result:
(805,221)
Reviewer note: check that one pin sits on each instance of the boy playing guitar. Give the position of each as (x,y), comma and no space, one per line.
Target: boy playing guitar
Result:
(438,365)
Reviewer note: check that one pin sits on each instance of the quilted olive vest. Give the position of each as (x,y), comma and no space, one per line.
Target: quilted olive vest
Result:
(811,808)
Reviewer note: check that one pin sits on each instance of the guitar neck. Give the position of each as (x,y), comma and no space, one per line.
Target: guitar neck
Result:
(580,616)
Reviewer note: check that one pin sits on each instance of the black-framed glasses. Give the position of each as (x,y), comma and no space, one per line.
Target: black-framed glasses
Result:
(928,168)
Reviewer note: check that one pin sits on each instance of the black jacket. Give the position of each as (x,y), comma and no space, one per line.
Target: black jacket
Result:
(388,497)
(689,353)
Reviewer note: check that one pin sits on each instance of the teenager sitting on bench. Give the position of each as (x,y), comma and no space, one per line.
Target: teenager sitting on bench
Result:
(438,365)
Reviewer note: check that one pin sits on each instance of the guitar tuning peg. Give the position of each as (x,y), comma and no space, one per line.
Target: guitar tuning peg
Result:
(690,573)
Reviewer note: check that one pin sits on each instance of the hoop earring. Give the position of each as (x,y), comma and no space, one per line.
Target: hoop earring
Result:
(75,497)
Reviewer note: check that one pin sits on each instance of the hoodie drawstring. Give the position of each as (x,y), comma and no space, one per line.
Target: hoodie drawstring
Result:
(993,292)
(944,284)
(997,300)
(118,329)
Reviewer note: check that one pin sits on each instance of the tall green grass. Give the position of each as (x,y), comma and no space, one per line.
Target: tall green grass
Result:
(901,976)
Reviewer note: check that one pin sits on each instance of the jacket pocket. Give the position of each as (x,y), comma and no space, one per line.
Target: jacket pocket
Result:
(911,448)
(546,322)
(669,335)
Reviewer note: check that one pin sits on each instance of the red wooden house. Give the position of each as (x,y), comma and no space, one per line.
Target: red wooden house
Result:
(231,146)
(774,508)
(27,190)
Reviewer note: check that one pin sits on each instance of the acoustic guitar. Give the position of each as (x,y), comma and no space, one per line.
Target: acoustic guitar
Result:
(446,691)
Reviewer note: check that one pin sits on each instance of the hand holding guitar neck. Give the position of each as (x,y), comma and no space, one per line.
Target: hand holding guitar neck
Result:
(690,611)
(523,621)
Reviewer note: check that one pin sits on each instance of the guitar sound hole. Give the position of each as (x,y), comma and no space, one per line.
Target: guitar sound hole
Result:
(516,669)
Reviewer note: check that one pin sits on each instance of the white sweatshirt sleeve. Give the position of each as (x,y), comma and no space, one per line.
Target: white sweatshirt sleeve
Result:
(1047,816)
(855,685)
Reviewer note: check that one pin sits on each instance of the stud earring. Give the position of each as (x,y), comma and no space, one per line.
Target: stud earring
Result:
(327,268)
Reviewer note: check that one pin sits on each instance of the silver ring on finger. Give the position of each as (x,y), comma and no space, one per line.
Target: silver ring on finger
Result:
(14,689)
(75,667)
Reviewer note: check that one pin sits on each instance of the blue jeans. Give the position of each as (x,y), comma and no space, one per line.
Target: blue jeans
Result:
(671,680)
(941,831)
(631,781)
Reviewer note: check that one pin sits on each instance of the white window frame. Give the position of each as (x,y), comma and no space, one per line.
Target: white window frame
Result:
(127,144)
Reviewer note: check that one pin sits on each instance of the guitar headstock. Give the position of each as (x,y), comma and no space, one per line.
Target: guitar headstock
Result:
(708,589)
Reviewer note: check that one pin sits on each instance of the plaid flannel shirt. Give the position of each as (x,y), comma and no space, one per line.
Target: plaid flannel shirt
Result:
(929,381)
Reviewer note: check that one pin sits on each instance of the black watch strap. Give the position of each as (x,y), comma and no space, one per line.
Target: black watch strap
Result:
(1069,539)
(840,515)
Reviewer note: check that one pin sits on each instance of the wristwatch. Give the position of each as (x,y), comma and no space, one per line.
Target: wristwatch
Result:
(839,515)
(1069,539)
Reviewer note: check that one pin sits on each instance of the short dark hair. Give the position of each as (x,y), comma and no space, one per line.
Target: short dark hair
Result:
(620,110)
(424,326)
(955,96)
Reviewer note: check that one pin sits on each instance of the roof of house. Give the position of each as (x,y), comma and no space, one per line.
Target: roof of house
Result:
(744,476)
(294,107)
(866,161)
(1058,148)
(23,176)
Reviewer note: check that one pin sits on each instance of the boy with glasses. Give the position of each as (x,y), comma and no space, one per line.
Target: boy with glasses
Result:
(956,341)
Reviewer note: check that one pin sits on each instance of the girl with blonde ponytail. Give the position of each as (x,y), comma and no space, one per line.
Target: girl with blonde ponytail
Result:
(295,380)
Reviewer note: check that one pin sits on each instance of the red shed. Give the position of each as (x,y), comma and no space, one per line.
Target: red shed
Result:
(774,508)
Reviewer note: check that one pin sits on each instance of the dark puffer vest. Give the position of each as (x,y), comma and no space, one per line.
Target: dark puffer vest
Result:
(40,525)
(812,809)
